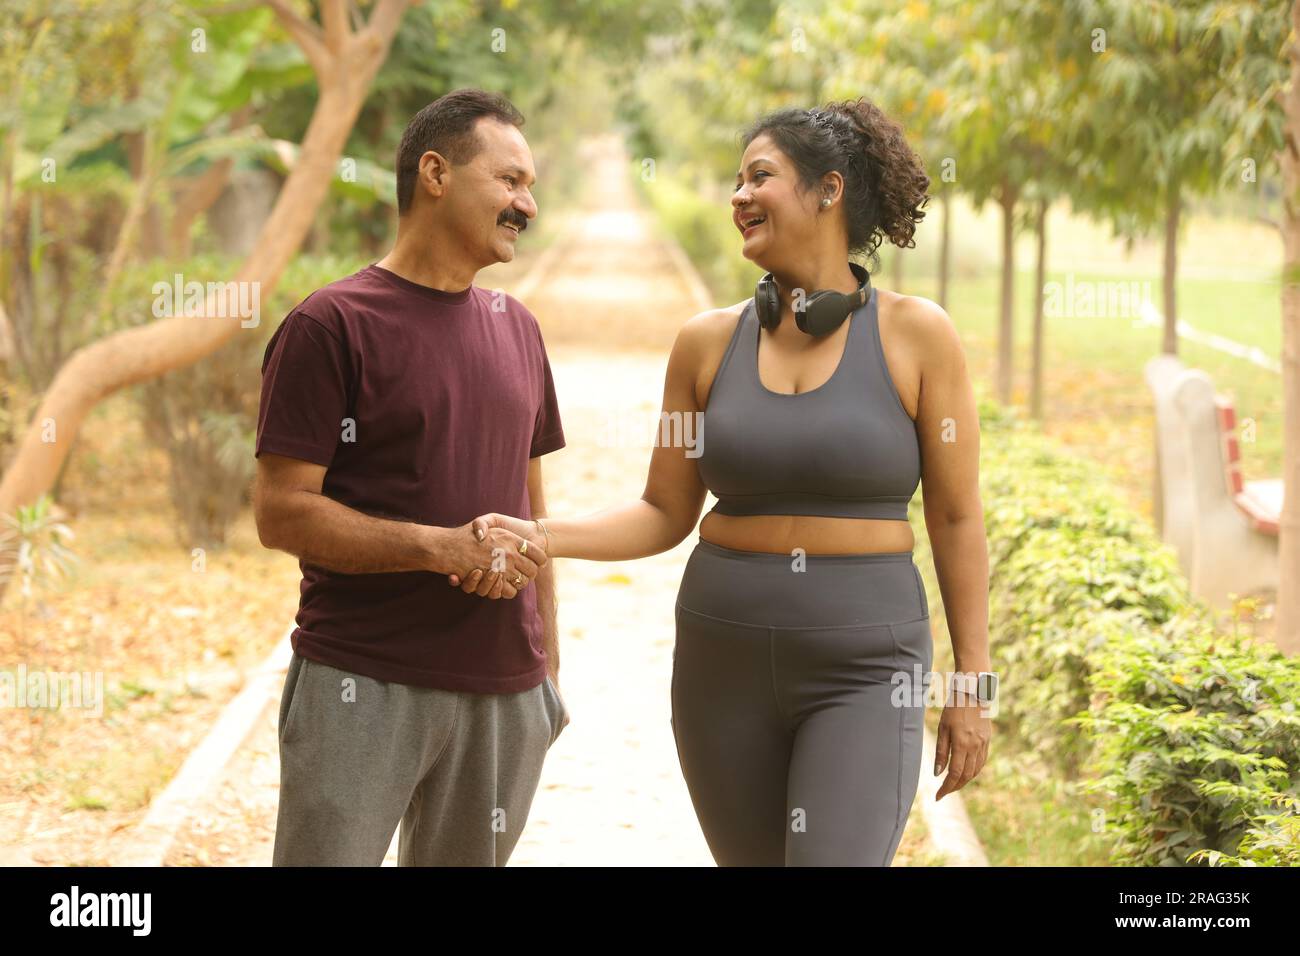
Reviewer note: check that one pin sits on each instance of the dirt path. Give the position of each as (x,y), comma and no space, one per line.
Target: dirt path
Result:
(611,792)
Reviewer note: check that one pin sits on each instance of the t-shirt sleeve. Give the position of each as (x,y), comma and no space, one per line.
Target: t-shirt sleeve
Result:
(305,383)
(548,434)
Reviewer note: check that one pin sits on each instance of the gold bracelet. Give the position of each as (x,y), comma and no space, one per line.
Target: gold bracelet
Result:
(538,522)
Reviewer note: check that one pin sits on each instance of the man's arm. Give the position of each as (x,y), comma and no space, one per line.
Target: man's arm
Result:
(293,515)
(547,605)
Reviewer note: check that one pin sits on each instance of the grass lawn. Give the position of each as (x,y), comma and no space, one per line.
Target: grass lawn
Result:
(1095,397)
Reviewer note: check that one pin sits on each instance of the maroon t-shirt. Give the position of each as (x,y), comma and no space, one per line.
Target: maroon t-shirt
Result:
(424,406)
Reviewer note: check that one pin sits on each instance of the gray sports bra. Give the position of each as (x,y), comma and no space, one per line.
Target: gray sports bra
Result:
(847,448)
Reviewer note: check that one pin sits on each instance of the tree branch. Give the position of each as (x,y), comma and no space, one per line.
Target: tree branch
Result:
(383,22)
(306,34)
(334,16)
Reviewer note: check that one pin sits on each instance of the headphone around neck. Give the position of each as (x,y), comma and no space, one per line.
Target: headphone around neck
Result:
(823,311)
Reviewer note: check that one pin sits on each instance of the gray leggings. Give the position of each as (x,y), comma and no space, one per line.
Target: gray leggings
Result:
(797,702)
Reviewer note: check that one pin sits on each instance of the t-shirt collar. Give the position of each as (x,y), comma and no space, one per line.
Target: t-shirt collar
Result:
(429,292)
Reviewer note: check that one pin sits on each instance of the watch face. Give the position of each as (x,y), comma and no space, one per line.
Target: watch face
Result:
(987,686)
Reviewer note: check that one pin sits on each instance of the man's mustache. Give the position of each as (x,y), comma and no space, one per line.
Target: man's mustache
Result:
(514,219)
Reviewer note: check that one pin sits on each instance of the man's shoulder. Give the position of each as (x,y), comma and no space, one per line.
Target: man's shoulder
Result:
(332,304)
(499,300)
(501,303)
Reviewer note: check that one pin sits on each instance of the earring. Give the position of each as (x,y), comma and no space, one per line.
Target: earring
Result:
(826,202)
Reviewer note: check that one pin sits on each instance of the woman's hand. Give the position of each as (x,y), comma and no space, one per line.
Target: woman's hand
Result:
(490,583)
(963,744)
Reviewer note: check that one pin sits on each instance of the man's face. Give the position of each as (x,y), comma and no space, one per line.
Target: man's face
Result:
(492,193)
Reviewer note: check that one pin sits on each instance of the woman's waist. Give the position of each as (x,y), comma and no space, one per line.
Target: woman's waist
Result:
(811,534)
(799,589)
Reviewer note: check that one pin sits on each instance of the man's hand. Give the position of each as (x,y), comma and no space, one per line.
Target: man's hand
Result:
(490,553)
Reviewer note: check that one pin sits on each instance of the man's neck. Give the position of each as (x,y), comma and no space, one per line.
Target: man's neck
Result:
(412,258)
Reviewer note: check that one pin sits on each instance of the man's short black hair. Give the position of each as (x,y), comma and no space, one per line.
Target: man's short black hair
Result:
(446,126)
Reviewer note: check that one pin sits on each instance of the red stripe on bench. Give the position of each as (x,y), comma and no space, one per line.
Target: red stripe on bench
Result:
(1227,414)
(1233,450)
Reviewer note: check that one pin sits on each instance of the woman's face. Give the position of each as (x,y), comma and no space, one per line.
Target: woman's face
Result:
(767,188)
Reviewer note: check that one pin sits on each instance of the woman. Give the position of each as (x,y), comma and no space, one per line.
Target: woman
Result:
(800,611)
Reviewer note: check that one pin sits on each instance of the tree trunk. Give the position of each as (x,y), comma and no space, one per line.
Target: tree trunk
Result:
(196,198)
(146,222)
(1288,592)
(1170,344)
(945,244)
(197,195)
(1040,279)
(345,64)
(319,239)
(1007,200)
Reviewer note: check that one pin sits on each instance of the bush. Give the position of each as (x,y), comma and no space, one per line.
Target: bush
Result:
(1110,666)
(1074,571)
(1197,741)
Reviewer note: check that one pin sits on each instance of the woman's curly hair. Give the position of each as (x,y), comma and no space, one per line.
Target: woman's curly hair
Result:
(885,183)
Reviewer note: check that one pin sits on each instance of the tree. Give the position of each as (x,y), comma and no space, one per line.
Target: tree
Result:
(1191,90)
(1199,86)
(903,52)
(344,61)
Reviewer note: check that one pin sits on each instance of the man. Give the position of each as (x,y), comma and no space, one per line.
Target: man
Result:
(398,404)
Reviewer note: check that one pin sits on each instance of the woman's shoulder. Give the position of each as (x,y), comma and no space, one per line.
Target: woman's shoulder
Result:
(917,327)
(701,342)
(711,329)
(915,322)
(921,343)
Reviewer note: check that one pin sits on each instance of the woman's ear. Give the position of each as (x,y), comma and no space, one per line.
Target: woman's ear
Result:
(832,188)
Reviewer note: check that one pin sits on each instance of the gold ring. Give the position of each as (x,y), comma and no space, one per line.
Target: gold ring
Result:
(519,579)
(523,548)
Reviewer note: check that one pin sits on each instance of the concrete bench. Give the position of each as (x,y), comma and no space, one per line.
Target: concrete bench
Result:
(1224,530)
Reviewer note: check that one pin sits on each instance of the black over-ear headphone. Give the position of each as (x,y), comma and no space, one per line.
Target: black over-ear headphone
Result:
(823,311)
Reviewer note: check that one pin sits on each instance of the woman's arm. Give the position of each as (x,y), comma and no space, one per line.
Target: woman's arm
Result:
(947,424)
(670,506)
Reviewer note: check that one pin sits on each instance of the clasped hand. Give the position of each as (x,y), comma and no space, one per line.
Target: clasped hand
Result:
(495,567)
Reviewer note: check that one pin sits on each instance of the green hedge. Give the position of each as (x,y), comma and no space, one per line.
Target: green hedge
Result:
(1070,565)
(1115,673)
(1197,744)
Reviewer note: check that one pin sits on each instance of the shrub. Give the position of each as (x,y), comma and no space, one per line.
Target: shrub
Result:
(1113,669)
(1197,738)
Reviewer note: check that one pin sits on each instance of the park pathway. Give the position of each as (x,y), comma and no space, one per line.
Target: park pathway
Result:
(609,300)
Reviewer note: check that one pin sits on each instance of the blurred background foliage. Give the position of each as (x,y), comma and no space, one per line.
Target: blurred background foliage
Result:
(147,138)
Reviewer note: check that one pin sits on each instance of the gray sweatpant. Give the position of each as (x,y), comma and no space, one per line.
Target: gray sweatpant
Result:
(458,770)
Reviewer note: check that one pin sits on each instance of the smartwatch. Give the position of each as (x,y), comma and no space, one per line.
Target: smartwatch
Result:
(982,686)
